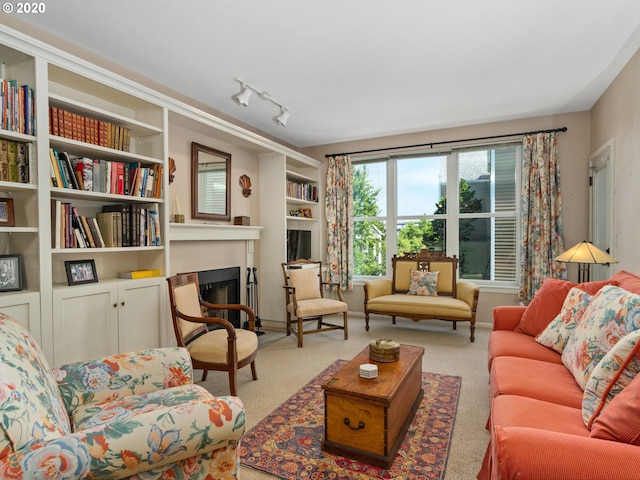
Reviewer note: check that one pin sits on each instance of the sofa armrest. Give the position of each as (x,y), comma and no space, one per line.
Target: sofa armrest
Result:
(377,288)
(507,317)
(468,292)
(532,454)
(122,375)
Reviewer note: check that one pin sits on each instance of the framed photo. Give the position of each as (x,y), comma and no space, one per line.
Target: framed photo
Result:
(6,213)
(10,273)
(81,271)
(306,212)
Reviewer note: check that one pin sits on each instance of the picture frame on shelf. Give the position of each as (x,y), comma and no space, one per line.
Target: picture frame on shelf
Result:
(7,218)
(306,213)
(10,273)
(80,272)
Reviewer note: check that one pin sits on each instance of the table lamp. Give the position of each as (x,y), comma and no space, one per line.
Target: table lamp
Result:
(585,254)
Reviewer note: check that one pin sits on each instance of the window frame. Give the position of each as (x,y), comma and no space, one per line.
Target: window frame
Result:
(452,216)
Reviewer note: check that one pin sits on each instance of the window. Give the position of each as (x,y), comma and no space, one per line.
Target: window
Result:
(462,202)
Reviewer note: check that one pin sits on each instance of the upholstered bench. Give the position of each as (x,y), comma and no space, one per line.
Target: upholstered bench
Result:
(423,286)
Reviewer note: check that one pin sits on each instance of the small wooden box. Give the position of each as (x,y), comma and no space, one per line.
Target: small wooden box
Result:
(367,419)
(242,220)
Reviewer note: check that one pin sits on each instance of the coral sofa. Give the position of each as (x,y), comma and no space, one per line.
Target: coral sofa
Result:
(127,416)
(423,285)
(563,385)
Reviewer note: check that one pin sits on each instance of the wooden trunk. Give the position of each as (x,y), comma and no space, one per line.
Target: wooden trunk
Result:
(366,419)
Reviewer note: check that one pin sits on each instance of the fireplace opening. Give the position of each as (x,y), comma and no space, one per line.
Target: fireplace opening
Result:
(221,285)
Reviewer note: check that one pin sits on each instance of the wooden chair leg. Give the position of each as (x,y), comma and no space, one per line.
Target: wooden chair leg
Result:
(300,333)
(204,374)
(233,386)
(366,321)
(288,324)
(455,325)
(253,370)
(346,326)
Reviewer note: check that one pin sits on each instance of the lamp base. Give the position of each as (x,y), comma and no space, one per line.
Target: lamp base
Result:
(584,272)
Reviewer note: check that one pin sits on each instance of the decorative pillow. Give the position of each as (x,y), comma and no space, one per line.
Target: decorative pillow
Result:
(603,323)
(627,280)
(306,283)
(616,370)
(548,301)
(557,333)
(423,283)
(620,421)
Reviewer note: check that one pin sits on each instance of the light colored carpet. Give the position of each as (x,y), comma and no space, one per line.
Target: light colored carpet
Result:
(283,368)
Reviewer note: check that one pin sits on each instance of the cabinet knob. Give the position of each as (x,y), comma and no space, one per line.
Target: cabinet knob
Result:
(115,305)
(122,303)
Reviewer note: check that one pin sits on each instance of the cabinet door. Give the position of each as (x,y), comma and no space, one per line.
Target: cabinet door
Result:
(141,314)
(25,309)
(85,322)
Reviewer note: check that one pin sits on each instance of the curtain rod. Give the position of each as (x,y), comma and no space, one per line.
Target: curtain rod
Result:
(431,144)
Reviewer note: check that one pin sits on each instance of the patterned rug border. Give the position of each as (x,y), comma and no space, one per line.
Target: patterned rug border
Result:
(287,454)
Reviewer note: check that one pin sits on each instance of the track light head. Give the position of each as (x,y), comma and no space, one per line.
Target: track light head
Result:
(242,98)
(282,118)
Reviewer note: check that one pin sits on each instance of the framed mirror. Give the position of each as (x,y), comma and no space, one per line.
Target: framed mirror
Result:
(210,183)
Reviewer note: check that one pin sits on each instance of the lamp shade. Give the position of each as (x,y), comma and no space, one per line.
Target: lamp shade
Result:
(282,118)
(585,252)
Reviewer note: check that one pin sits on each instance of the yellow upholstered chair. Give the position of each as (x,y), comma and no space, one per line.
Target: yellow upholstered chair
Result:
(225,348)
(304,296)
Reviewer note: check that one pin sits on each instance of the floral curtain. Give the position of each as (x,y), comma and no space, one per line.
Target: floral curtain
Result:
(542,235)
(339,215)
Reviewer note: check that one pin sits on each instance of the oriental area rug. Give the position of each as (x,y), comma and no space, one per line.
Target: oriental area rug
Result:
(288,442)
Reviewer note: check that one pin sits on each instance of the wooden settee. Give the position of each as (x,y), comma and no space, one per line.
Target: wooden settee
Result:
(456,300)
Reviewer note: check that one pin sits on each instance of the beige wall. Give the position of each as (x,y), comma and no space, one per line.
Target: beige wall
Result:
(574,160)
(617,115)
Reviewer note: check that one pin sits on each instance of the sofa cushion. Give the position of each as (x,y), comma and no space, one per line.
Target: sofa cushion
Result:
(548,301)
(620,421)
(423,283)
(518,411)
(549,382)
(616,370)
(603,323)
(30,402)
(557,333)
(438,307)
(627,280)
(507,343)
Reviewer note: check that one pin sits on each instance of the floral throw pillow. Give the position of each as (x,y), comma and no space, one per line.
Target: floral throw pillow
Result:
(616,370)
(603,324)
(423,283)
(557,333)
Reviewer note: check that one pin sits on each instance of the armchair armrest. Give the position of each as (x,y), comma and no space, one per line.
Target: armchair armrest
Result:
(531,454)
(377,288)
(123,375)
(468,292)
(336,288)
(507,317)
(251,316)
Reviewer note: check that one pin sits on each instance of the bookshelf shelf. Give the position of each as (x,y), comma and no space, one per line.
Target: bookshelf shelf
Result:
(71,193)
(104,153)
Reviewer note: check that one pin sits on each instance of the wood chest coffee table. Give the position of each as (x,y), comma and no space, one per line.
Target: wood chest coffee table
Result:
(366,419)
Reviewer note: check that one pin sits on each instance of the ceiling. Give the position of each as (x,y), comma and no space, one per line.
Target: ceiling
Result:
(354,69)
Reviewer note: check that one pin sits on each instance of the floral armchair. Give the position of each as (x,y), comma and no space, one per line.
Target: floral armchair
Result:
(134,415)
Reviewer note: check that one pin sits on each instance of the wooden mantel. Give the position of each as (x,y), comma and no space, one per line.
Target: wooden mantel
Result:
(192,232)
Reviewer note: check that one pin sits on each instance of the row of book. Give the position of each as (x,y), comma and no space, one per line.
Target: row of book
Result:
(105,176)
(16,102)
(121,225)
(76,126)
(303,191)
(15,161)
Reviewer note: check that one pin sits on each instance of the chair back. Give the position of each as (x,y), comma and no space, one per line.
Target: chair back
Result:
(425,260)
(305,276)
(32,407)
(184,297)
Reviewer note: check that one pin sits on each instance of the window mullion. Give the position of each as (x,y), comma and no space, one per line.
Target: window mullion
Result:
(392,210)
(453,205)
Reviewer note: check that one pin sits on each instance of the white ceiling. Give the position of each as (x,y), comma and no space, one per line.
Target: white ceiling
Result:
(353,69)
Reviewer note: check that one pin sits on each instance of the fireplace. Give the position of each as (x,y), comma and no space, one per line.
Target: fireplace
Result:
(221,285)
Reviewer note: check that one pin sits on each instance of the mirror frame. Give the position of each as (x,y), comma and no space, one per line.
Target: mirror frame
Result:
(196,149)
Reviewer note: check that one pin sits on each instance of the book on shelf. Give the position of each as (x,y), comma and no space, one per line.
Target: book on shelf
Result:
(110,225)
(17,113)
(135,274)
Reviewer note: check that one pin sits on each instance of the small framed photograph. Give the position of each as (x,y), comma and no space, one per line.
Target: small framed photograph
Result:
(81,271)
(10,273)
(6,213)
(306,212)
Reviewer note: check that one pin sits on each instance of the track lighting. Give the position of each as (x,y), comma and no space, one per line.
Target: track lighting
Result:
(242,98)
